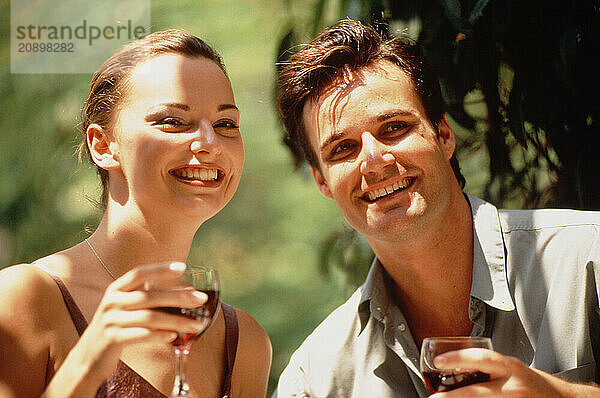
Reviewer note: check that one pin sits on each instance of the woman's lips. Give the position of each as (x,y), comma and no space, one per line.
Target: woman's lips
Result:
(198,175)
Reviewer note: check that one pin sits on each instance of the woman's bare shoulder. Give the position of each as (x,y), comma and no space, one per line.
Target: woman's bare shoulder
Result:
(253,359)
(30,310)
(251,332)
(29,294)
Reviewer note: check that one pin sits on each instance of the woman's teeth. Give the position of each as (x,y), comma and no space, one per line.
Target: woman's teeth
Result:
(197,174)
(378,193)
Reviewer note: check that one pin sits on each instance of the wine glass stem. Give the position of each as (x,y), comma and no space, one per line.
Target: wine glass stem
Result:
(181,389)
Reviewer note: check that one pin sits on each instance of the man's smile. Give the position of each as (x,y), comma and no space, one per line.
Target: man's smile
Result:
(378,193)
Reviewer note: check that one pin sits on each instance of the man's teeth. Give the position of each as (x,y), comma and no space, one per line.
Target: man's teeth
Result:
(198,174)
(378,193)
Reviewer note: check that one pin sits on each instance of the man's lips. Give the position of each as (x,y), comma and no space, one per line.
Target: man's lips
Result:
(375,194)
(203,174)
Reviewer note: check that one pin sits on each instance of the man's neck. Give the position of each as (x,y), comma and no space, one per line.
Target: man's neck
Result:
(432,274)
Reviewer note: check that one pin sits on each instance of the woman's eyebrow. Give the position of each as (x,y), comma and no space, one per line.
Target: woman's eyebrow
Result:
(223,107)
(175,105)
(159,109)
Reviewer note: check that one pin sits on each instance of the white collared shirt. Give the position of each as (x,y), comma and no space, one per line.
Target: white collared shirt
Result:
(535,290)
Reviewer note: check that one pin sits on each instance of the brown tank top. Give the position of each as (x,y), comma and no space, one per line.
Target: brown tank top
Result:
(126,382)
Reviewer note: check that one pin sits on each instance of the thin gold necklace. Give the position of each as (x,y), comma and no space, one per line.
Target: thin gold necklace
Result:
(99,259)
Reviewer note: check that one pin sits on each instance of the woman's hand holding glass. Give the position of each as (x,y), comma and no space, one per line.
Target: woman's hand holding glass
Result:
(127,315)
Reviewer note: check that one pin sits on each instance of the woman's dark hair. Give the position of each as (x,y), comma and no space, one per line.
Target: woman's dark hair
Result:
(333,55)
(108,86)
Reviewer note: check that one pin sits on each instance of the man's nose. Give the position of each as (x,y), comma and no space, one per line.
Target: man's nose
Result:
(374,155)
(206,139)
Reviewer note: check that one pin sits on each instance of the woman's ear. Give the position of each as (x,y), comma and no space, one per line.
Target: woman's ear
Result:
(321,183)
(446,137)
(102,147)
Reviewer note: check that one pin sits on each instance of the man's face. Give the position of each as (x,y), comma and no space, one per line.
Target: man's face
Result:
(381,160)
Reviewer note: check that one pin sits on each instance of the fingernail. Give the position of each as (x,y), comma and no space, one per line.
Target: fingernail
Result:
(200,295)
(440,361)
(177,266)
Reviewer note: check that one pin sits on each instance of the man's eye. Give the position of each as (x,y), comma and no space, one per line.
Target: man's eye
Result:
(342,149)
(395,129)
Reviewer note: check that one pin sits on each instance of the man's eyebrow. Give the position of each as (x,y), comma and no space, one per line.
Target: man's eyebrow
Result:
(389,115)
(330,139)
(379,119)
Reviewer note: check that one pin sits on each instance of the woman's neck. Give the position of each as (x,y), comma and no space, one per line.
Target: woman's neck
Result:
(127,238)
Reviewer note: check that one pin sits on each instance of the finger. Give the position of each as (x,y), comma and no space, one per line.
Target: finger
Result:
(136,278)
(473,390)
(140,334)
(487,361)
(153,320)
(140,299)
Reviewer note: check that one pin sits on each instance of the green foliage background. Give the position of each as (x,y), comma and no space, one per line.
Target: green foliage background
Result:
(264,242)
(282,250)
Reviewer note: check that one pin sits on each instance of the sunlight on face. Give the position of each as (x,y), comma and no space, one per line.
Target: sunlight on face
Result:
(380,157)
(177,138)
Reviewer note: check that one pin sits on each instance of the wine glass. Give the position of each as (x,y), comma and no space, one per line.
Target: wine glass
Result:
(438,380)
(206,280)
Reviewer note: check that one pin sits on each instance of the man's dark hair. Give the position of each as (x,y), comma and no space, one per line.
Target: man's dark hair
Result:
(340,50)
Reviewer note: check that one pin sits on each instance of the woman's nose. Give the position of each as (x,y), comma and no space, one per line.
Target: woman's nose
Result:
(374,155)
(206,140)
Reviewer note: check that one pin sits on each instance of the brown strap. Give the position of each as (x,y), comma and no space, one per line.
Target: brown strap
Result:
(231,333)
(231,342)
(74,311)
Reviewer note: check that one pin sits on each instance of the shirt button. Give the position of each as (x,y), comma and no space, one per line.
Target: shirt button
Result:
(402,327)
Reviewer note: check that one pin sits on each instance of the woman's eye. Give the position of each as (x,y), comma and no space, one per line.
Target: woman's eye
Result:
(170,123)
(225,124)
(227,128)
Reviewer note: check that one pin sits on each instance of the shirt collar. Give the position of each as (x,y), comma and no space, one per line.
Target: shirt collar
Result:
(490,283)
(374,296)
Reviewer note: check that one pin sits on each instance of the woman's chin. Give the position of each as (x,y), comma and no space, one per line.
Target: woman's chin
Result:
(198,208)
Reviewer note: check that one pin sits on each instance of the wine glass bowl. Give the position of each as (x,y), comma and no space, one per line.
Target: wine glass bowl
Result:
(440,380)
(206,280)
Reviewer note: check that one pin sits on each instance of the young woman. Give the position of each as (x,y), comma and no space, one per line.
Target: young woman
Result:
(162,127)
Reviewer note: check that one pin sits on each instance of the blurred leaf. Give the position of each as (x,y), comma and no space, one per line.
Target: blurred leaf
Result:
(318,16)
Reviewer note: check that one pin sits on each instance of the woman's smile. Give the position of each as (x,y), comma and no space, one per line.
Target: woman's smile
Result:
(178,142)
(199,175)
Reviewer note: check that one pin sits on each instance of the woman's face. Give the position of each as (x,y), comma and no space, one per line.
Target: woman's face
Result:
(177,139)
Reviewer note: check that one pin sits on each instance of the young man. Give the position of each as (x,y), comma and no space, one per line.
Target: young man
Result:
(367,114)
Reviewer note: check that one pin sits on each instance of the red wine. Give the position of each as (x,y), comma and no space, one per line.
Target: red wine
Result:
(439,381)
(205,313)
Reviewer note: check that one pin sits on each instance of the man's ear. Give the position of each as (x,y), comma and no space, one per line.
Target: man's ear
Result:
(321,183)
(102,147)
(446,137)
